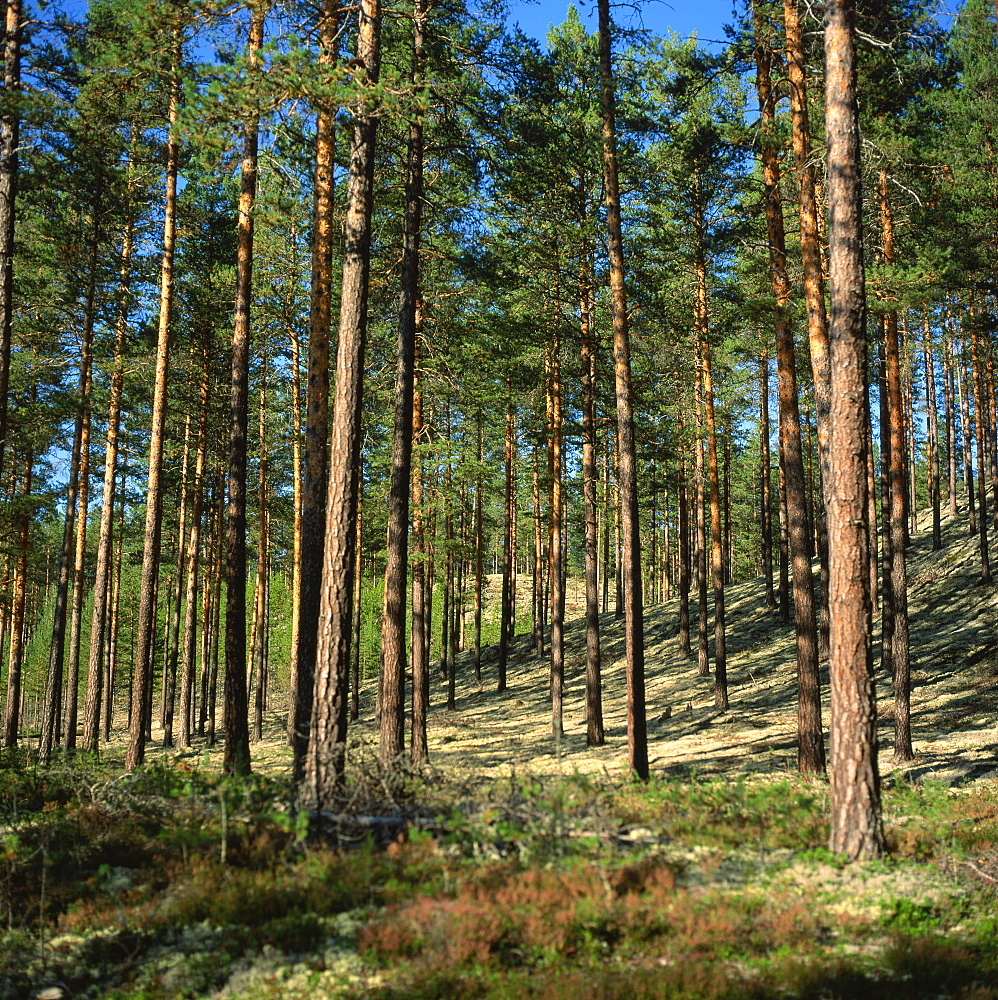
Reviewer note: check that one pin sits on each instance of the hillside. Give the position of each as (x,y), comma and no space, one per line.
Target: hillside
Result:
(954,644)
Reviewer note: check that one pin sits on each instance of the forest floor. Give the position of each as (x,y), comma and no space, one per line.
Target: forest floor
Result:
(953,623)
(517,868)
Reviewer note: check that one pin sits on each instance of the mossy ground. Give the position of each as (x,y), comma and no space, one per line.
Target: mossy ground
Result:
(517,868)
(114,886)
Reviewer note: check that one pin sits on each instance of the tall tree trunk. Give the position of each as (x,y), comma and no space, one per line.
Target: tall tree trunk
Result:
(506,611)
(700,555)
(236,755)
(208,603)
(595,736)
(419,749)
(12,716)
(607,524)
(784,544)
(949,393)
(981,413)
(872,534)
(966,436)
(102,573)
(713,477)
(52,716)
(810,744)
(479,539)
(393,664)
(814,281)
(262,596)
(114,610)
(326,756)
(538,605)
(187,658)
(83,505)
(765,482)
(684,555)
(989,383)
(447,617)
(898,489)
(887,544)
(143,672)
(296,536)
(932,437)
(634,642)
(10,122)
(556,587)
(175,607)
(358,593)
(856,824)
(317,408)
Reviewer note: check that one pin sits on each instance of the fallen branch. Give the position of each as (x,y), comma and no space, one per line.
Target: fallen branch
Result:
(978,871)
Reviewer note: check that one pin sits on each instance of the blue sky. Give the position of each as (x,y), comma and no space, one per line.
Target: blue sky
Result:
(706,17)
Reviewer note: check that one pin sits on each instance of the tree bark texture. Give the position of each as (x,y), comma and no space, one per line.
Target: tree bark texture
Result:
(187,658)
(12,715)
(556,587)
(810,738)
(855,781)
(634,643)
(327,745)
(313,518)
(594,688)
(393,652)
(898,494)
(419,749)
(236,755)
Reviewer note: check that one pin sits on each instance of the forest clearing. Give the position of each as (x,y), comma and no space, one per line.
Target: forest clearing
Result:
(507,871)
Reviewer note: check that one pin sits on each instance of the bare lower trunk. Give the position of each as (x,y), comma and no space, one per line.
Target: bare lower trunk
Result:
(236,756)
(949,392)
(810,739)
(555,576)
(594,688)
(12,715)
(313,518)
(393,664)
(856,825)
(981,412)
(506,612)
(765,484)
(80,552)
(898,492)
(176,606)
(966,436)
(327,746)
(102,574)
(700,557)
(932,437)
(420,649)
(630,524)
(187,659)
(53,718)
(710,423)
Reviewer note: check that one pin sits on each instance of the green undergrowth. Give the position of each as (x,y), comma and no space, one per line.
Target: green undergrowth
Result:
(174,883)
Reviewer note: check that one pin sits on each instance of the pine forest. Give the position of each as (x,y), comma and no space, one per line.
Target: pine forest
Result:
(494,517)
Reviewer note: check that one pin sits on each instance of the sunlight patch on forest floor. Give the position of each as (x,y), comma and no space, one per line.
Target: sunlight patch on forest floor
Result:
(954,692)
